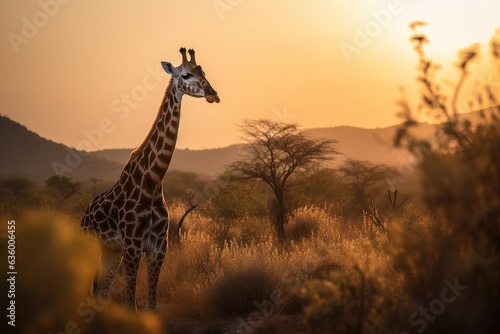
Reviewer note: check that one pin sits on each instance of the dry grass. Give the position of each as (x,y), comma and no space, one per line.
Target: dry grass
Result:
(305,222)
(203,280)
(330,270)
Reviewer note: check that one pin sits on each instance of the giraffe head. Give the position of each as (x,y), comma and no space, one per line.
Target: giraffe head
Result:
(190,78)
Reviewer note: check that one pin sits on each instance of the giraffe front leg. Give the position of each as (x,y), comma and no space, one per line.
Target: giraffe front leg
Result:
(108,267)
(155,261)
(131,260)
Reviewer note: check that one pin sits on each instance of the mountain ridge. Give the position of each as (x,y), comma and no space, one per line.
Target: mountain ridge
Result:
(27,154)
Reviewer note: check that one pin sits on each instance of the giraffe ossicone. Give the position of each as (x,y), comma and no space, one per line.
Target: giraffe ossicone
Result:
(131,217)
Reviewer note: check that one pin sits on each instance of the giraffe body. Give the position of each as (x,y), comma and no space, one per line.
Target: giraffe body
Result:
(131,217)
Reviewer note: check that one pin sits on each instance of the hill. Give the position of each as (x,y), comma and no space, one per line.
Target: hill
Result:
(374,145)
(25,153)
(204,162)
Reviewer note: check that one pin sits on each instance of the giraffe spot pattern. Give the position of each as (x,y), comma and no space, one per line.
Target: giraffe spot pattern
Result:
(131,217)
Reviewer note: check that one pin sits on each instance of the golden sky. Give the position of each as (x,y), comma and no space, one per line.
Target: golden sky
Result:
(68,64)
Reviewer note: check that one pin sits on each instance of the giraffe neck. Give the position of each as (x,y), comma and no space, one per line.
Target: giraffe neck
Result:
(148,164)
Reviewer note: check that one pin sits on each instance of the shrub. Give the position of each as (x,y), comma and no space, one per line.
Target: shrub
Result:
(305,222)
(247,275)
(347,302)
(56,266)
(17,194)
(237,290)
(461,190)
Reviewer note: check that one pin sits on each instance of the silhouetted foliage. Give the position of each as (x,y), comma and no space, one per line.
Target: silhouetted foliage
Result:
(17,187)
(57,265)
(63,186)
(345,302)
(361,179)
(17,194)
(461,188)
(176,182)
(319,187)
(235,201)
(192,204)
(447,263)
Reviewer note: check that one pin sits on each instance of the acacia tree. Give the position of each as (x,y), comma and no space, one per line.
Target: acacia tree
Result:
(360,176)
(16,193)
(274,152)
(64,186)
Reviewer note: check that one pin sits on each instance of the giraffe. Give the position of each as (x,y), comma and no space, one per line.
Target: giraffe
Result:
(131,217)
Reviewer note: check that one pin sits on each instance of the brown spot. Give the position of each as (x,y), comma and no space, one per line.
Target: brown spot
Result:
(154,137)
(157,169)
(100,216)
(141,228)
(165,159)
(128,187)
(129,205)
(158,228)
(130,216)
(118,189)
(168,117)
(159,242)
(137,177)
(145,198)
(148,181)
(169,147)
(170,134)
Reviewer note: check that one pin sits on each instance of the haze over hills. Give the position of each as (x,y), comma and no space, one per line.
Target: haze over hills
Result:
(205,162)
(25,153)
(374,145)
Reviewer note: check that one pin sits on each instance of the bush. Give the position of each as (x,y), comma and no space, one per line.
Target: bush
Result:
(238,290)
(348,302)
(17,194)
(248,275)
(461,189)
(305,222)
(55,268)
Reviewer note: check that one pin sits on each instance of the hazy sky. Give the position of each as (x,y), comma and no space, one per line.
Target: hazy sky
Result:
(67,65)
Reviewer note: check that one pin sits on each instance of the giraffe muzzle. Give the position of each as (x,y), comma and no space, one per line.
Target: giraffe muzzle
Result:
(211,96)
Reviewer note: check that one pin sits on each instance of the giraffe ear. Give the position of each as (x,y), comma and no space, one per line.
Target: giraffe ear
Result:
(168,67)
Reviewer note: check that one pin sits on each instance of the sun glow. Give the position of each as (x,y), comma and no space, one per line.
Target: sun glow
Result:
(288,55)
(454,25)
